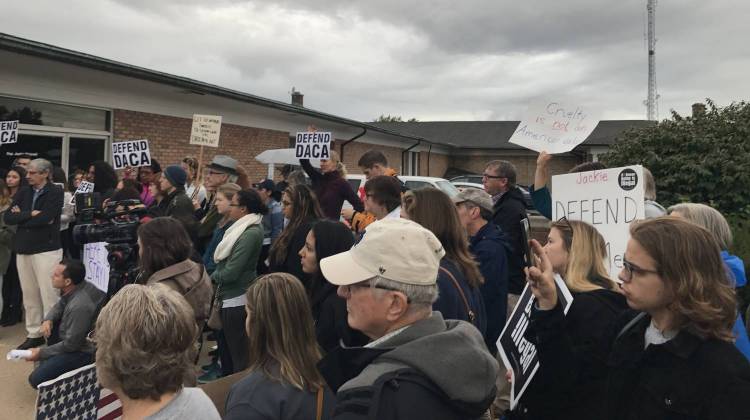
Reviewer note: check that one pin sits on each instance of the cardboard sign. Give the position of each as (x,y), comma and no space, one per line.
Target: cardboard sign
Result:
(85,187)
(519,354)
(313,145)
(133,153)
(554,126)
(8,132)
(206,130)
(97,266)
(610,200)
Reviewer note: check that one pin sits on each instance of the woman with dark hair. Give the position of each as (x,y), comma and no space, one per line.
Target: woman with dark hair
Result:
(327,238)
(7,232)
(11,291)
(671,356)
(283,380)
(331,187)
(236,259)
(104,178)
(148,175)
(301,208)
(459,277)
(165,249)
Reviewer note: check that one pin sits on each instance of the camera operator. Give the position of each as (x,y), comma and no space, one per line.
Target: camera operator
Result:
(36,210)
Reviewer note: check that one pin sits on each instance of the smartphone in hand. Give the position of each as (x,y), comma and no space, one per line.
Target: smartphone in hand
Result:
(526,236)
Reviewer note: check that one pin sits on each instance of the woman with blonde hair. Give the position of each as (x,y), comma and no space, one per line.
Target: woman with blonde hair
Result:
(331,187)
(284,382)
(459,277)
(144,348)
(577,252)
(712,220)
(672,356)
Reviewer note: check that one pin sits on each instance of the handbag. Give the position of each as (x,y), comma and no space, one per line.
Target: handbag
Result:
(214,317)
(469,312)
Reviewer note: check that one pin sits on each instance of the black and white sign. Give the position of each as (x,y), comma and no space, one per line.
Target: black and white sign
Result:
(313,145)
(85,187)
(519,354)
(8,132)
(133,153)
(206,130)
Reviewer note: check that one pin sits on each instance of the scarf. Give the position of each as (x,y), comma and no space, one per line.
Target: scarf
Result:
(224,249)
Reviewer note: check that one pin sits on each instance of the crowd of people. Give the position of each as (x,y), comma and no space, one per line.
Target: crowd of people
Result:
(390,309)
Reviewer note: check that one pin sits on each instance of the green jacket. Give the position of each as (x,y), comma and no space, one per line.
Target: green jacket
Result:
(234,274)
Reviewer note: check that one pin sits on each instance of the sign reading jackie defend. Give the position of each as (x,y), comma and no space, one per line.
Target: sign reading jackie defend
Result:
(133,153)
(206,130)
(8,132)
(519,354)
(610,200)
(554,126)
(313,145)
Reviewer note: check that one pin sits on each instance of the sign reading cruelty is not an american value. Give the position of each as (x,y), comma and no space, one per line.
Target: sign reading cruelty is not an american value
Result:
(554,126)
(206,130)
(313,145)
(133,153)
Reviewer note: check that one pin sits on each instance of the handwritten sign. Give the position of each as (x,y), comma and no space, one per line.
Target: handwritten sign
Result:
(85,187)
(206,130)
(610,200)
(97,266)
(8,132)
(313,145)
(554,126)
(519,354)
(133,153)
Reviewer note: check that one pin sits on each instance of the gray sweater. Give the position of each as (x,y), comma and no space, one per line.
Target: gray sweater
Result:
(75,314)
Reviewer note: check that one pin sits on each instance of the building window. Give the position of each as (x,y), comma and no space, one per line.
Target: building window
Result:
(53,115)
(411,163)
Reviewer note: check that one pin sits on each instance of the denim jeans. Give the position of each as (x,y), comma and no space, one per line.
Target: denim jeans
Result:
(57,365)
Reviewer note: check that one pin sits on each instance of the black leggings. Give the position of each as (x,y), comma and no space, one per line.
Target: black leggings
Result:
(235,338)
(12,296)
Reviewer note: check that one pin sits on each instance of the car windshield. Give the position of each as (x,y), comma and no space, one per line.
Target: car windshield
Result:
(448,188)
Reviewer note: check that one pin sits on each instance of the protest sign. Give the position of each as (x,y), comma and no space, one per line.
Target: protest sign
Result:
(97,266)
(8,132)
(610,200)
(132,153)
(206,130)
(85,187)
(554,126)
(519,354)
(313,145)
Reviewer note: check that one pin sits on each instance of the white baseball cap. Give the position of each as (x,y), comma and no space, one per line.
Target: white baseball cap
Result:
(396,249)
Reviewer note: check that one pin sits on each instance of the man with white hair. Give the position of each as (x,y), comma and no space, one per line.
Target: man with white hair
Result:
(417,365)
(36,210)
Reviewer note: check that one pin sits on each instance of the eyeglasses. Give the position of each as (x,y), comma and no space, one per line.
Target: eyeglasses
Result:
(366,284)
(630,269)
(488,176)
(33,172)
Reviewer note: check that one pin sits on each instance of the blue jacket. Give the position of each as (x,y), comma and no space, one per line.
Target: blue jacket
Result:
(449,301)
(737,268)
(490,248)
(208,256)
(542,200)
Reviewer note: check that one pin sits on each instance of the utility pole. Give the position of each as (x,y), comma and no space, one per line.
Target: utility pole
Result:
(652,106)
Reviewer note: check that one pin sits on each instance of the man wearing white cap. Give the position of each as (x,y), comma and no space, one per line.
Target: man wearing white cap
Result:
(417,365)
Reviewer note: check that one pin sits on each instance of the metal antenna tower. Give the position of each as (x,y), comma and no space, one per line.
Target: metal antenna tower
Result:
(652,106)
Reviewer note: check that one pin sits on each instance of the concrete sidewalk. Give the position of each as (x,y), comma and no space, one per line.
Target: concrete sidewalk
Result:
(17,398)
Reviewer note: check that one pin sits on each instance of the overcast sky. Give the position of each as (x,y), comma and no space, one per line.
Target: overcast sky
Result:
(429,59)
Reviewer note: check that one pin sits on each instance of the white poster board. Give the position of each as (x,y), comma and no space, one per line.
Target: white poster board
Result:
(97,265)
(313,145)
(610,200)
(206,130)
(8,132)
(133,153)
(85,187)
(554,126)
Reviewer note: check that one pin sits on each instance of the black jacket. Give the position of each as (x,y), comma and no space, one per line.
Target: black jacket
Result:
(40,233)
(179,206)
(684,378)
(509,210)
(329,314)
(564,390)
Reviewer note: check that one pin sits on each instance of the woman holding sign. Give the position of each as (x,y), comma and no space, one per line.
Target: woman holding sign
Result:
(672,356)
(577,253)
(331,187)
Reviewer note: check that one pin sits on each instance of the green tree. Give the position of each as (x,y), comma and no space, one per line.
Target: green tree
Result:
(395,118)
(704,158)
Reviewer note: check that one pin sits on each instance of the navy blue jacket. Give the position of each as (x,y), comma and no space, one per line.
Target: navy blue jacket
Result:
(449,301)
(490,248)
(40,233)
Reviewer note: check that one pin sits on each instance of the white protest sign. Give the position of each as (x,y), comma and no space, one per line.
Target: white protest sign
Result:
(8,132)
(132,153)
(206,130)
(97,266)
(85,187)
(519,354)
(313,145)
(554,126)
(610,200)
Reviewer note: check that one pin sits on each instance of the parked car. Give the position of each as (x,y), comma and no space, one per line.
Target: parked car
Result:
(473,179)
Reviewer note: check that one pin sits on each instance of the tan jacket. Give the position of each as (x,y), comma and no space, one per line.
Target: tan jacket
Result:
(190,280)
